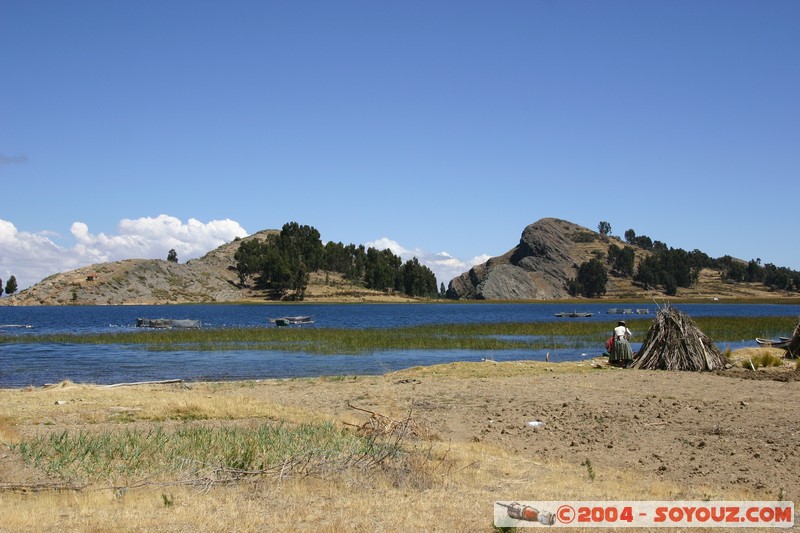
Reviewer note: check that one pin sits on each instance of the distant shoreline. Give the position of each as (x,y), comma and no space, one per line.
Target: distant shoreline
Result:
(778,300)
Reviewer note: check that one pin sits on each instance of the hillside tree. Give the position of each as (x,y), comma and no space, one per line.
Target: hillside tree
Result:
(590,281)
(301,244)
(630,236)
(755,272)
(11,285)
(621,260)
(381,270)
(249,259)
(418,280)
(775,278)
(669,269)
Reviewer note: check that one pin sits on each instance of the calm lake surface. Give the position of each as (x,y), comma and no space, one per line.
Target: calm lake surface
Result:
(36,364)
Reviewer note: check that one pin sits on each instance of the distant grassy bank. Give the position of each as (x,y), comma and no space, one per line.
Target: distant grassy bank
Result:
(489,336)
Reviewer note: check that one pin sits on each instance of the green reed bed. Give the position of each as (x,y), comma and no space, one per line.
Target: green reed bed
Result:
(211,454)
(733,329)
(312,340)
(489,336)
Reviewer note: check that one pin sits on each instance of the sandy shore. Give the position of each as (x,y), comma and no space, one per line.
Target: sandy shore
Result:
(728,435)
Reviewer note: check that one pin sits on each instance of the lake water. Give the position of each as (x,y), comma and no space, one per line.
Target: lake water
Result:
(40,363)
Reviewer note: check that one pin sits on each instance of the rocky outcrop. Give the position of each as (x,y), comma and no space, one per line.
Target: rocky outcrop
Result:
(211,278)
(538,268)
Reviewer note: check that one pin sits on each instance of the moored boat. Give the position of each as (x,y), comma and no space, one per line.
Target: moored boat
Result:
(292,320)
(167,323)
(783,342)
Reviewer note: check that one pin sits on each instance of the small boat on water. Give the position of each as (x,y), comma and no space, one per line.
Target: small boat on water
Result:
(573,314)
(782,342)
(167,323)
(617,311)
(292,320)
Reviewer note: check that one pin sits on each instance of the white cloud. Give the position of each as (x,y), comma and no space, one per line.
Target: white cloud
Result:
(31,257)
(384,243)
(442,264)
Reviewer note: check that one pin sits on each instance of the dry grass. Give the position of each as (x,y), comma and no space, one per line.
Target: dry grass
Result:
(451,489)
(759,357)
(438,485)
(8,434)
(68,403)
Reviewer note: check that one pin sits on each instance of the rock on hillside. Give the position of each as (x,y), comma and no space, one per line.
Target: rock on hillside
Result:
(211,278)
(538,268)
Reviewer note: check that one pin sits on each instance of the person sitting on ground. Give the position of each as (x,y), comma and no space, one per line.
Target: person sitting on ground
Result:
(621,353)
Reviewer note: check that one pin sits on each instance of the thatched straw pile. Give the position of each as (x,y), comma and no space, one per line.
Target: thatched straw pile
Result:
(793,348)
(674,342)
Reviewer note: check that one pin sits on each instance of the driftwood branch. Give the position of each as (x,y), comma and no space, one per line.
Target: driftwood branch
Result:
(40,487)
(379,424)
(134,383)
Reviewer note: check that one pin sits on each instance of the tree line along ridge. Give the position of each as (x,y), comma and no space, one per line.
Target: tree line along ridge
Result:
(666,268)
(281,265)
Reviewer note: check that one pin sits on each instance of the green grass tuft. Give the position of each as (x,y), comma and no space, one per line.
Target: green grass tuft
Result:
(764,360)
(200,452)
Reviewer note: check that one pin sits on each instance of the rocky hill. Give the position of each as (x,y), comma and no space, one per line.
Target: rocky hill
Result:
(209,279)
(547,256)
(537,268)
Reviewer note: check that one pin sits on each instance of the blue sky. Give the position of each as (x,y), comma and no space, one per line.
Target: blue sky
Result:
(439,128)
